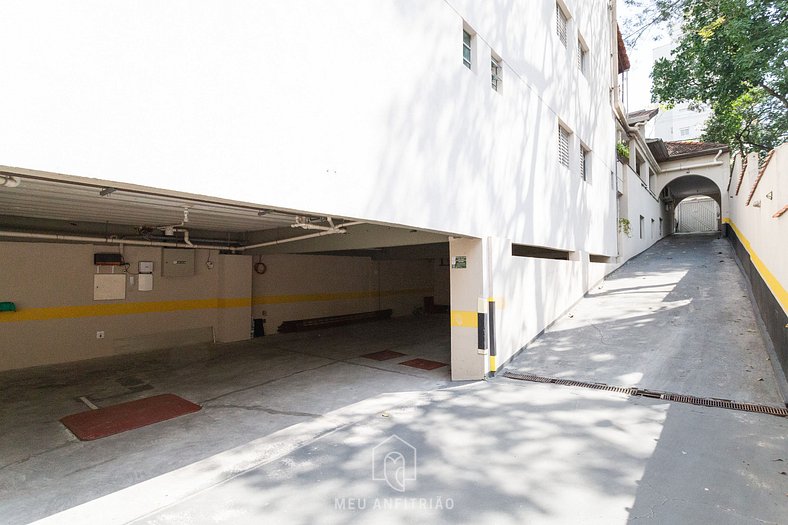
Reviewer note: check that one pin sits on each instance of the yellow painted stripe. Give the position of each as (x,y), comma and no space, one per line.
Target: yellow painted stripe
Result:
(335,296)
(492,363)
(464,319)
(771,281)
(104,310)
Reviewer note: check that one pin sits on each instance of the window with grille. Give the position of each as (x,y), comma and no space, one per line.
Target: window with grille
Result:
(584,163)
(563,146)
(561,23)
(496,73)
(582,55)
(466,49)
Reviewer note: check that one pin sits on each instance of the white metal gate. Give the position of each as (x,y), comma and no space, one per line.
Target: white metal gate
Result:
(697,215)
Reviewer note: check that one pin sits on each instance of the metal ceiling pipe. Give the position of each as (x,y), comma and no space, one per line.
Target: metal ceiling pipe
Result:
(303,222)
(109,240)
(186,244)
(338,229)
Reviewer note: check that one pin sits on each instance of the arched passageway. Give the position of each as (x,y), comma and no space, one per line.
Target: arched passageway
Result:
(678,188)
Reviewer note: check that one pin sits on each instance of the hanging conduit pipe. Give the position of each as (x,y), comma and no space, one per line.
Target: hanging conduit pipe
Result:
(186,238)
(339,229)
(111,240)
(303,222)
(185,244)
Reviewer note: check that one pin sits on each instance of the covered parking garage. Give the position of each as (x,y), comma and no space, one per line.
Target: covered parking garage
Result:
(263,317)
(94,269)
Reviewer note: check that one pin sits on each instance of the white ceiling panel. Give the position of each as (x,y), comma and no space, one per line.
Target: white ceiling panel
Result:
(46,199)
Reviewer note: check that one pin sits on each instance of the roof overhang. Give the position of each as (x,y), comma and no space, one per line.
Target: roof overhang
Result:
(623,58)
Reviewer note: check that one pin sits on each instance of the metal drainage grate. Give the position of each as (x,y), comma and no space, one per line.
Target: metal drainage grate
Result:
(569,382)
(655,394)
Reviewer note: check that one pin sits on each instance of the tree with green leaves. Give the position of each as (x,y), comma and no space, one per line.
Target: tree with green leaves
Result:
(731,55)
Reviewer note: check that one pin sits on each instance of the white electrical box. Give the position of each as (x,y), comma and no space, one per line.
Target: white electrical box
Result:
(146,267)
(107,286)
(177,263)
(145,282)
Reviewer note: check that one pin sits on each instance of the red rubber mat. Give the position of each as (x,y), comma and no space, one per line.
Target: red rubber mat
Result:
(383,355)
(103,422)
(424,364)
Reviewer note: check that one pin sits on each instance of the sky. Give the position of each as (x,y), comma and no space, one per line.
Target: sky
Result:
(641,59)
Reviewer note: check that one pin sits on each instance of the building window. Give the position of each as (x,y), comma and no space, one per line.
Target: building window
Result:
(466,48)
(563,146)
(582,57)
(652,228)
(684,132)
(496,73)
(642,225)
(585,165)
(561,22)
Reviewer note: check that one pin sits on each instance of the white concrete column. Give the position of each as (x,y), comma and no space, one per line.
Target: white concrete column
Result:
(467,271)
(234,312)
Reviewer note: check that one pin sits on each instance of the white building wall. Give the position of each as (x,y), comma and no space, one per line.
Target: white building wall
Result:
(355,108)
(760,229)
(638,201)
(680,123)
(531,293)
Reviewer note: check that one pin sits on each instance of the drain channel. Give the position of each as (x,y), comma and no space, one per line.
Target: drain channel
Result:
(655,394)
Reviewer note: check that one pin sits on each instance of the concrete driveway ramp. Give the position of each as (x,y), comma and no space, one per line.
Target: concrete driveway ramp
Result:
(677,318)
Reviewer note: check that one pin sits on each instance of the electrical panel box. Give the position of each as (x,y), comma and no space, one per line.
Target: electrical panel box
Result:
(145,282)
(145,267)
(108,286)
(177,263)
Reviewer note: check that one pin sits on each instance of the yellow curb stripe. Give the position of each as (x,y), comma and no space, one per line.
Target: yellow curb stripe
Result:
(492,363)
(105,310)
(464,319)
(115,309)
(771,281)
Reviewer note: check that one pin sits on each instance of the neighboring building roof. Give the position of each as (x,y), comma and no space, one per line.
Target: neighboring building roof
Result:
(694,149)
(658,149)
(641,115)
(664,151)
(623,58)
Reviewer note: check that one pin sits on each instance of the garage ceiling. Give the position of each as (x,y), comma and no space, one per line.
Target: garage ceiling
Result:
(50,203)
(46,199)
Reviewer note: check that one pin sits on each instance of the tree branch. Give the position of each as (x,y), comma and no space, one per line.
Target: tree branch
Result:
(774,93)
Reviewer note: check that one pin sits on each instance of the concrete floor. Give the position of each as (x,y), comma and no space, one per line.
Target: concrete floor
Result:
(676,318)
(247,390)
(286,440)
(502,451)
